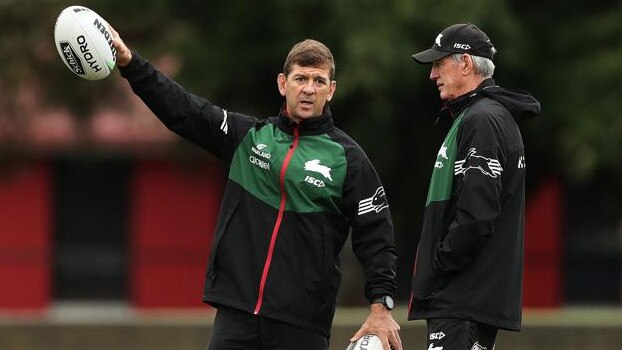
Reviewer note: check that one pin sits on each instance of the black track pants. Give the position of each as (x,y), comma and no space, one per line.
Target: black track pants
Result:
(239,330)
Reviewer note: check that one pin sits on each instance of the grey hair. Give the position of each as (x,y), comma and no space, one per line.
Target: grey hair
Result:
(482,65)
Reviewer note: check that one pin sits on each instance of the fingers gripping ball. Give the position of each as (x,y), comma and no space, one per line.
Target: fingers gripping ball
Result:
(366,342)
(84,43)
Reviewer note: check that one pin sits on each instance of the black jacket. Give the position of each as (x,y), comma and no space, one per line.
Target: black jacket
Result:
(293,194)
(469,261)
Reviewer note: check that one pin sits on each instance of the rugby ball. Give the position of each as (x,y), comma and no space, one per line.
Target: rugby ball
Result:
(84,43)
(366,342)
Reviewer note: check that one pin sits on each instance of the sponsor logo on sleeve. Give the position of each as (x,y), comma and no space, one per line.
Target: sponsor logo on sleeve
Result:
(487,166)
(224,127)
(375,203)
(476,346)
(521,162)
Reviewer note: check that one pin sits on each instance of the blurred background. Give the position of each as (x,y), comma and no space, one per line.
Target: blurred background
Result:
(105,212)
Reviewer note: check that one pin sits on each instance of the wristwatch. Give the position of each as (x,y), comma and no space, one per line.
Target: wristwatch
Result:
(385,300)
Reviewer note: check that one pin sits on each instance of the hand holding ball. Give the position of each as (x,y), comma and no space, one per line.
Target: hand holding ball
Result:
(366,342)
(84,43)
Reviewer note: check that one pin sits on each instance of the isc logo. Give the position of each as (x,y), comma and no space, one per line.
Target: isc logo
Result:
(437,336)
(315,182)
(462,46)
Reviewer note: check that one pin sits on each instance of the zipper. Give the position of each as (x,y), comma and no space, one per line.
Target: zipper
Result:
(279,219)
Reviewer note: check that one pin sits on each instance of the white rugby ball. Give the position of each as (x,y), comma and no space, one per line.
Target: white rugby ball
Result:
(84,43)
(366,342)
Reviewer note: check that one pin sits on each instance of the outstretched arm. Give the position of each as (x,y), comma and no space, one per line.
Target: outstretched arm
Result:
(190,116)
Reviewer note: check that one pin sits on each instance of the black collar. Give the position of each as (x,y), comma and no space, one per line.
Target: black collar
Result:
(313,126)
(457,105)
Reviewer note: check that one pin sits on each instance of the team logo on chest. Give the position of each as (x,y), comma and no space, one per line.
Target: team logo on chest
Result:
(315,166)
(442,154)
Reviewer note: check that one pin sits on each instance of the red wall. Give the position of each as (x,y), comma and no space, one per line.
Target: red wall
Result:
(173,214)
(174,211)
(25,232)
(543,281)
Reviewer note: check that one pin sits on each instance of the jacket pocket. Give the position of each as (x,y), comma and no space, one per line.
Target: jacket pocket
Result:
(320,270)
(227,213)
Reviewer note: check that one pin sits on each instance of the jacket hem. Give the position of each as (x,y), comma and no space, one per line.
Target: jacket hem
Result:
(217,301)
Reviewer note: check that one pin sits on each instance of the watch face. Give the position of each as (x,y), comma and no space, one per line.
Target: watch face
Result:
(388,302)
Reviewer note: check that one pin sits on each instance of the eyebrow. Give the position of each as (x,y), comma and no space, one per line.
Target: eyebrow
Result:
(314,76)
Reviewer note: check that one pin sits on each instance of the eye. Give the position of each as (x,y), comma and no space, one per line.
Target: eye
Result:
(320,81)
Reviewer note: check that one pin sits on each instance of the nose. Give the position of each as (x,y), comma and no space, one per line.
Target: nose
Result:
(309,87)
(434,73)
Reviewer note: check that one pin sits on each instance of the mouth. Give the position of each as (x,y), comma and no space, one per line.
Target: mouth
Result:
(306,103)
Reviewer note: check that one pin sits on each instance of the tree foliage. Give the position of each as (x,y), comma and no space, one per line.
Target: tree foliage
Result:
(567,54)
(577,75)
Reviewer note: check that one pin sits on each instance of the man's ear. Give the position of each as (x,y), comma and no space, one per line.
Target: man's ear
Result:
(280,82)
(333,87)
(467,60)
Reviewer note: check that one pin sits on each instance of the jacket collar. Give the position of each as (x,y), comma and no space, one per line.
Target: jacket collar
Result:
(457,105)
(313,126)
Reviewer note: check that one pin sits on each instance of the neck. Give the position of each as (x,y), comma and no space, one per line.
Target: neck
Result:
(286,113)
(471,83)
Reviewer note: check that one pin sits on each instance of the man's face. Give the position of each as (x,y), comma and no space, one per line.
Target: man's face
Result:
(449,78)
(306,90)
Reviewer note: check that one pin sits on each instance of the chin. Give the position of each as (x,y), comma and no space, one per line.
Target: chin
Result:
(308,115)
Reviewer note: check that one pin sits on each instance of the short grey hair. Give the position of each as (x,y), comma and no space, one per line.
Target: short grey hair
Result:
(482,65)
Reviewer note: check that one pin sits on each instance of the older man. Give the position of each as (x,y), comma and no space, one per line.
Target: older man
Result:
(468,268)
